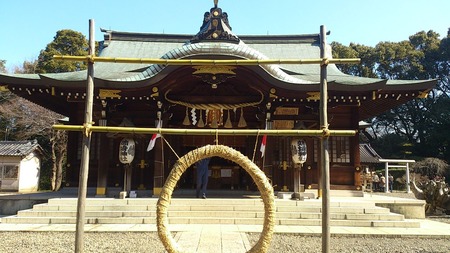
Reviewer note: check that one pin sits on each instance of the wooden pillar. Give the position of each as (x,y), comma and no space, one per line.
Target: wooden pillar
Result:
(72,173)
(103,164)
(267,163)
(284,168)
(354,142)
(319,172)
(354,150)
(158,165)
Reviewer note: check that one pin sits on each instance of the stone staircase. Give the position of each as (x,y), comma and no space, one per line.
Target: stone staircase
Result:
(246,211)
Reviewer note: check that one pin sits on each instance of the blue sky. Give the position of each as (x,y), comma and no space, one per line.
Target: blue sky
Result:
(28,26)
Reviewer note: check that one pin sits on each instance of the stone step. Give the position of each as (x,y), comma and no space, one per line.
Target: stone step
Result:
(218,202)
(46,207)
(361,210)
(32,213)
(223,213)
(210,211)
(209,220)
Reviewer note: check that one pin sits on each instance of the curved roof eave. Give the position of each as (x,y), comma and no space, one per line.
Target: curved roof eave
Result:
(411,84)
(28,79)
(150,74)
(217,49)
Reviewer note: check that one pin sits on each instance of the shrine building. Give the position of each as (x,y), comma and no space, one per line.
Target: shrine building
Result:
(216,97)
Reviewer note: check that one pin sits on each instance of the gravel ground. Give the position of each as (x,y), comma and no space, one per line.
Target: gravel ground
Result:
(59,242)
(297,243)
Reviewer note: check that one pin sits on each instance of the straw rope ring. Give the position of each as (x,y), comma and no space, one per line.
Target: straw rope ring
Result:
(263,184)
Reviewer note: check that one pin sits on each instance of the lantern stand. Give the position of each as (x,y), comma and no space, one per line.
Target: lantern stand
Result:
(127,149)
(299,155)
(299,188)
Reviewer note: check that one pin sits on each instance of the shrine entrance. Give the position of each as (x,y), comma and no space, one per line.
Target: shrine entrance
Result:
(223,174)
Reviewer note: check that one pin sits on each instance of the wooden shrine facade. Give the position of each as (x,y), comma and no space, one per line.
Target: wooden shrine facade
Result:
(208,96)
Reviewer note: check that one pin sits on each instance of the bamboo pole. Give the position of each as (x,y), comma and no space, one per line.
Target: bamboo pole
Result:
(84,168)
(325,156)
(90,58)
(177,131)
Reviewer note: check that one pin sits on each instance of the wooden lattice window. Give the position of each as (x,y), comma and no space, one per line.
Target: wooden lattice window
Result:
(339,149)
(9,171)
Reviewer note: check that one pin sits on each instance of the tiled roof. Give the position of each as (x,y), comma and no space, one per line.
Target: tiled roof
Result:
(173,46)
(18,148)
(368,154)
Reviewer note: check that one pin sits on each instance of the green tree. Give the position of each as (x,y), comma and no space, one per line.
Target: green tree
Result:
(17,115)
(367,55)
(443,68)
(424,123)
(28,67)
(421,121)
(18,118)
(66,42)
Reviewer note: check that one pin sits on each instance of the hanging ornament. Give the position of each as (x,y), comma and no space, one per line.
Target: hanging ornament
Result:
(194,117)
(228,123)
(242,122)
(186,121)
(200,121)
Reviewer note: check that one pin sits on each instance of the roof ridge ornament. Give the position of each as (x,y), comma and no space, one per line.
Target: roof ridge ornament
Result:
(215,27)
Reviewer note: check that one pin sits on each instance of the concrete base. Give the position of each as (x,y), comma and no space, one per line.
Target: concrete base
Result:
(122,195)
(298,196)
(411,210)
(284,195)
(12,206)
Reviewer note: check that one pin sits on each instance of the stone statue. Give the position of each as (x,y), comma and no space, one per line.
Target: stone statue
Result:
(436,194)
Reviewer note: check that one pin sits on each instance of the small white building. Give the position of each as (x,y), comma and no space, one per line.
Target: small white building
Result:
(20,165)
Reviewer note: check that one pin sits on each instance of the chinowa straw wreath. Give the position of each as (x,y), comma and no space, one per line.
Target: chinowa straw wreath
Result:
(231,154)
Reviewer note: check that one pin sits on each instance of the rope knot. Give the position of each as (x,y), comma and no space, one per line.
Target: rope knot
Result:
(325,62)
(325,132)
(87,128)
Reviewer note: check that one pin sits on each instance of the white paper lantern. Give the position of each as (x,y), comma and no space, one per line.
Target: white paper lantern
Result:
(126,150)
(299,151)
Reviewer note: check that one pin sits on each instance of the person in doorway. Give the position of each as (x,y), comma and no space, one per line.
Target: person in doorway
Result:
(375,182)
(202,177)
(382,182)
(391,182)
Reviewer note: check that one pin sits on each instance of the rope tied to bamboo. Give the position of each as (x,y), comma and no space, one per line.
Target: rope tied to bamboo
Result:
(324,62)
(325,132)
(90,58)
(87,128)
(229,153)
